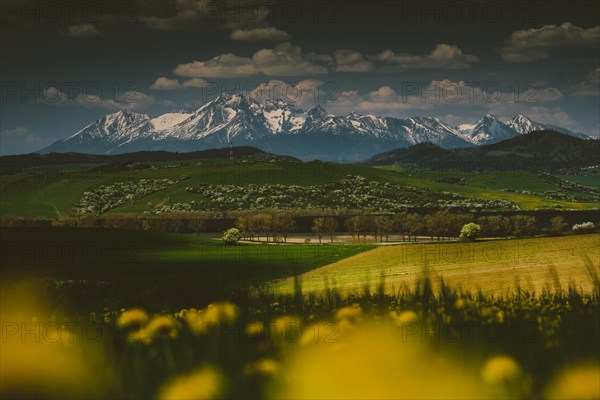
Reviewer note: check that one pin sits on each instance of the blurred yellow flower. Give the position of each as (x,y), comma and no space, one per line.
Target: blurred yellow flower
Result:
(160,327)
(351,314)
(372,362)
(201,322)
(406,318)
(205,383)
(132,319)
(264,367)
(220,313)
(500,369)
(254,330)
(577,383)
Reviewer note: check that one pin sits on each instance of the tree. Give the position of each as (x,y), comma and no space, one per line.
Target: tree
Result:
(470,232)
(197,225)
(353,227)
(457,220)
(494,225)
(260,225)
(231,236)
(330,226)
(584,227)
(284,225)
(437,225)
(244,223)
(318,227)
(365,225)
(384,226)
(414,223)
(557,225)
(523,225)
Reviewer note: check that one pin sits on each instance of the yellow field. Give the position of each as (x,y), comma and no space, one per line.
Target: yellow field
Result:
(494,266)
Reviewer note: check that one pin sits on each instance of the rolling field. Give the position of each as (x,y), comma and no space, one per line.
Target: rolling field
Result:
(53,192)
(495,266)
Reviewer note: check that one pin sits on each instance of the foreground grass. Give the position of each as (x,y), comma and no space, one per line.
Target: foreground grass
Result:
(499,266)
(310,346)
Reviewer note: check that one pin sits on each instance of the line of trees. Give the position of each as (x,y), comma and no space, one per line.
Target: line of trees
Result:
(277,226)
(271,226)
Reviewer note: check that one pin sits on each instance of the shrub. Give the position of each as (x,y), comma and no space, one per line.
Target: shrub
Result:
(470,232)
(232,236)
(584,227)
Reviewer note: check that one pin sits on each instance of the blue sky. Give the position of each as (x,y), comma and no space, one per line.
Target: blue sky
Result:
(67,64)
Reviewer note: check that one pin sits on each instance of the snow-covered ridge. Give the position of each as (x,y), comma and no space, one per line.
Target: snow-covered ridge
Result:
(242,120)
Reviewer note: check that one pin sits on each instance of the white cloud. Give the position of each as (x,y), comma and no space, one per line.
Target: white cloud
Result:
(530,45)
(164,83)
(351,61)
(195,83)
(304,94)
(82,31)
(590,86)
(383,101)
(417,96)
(284,59)
(444,56)
(259,34)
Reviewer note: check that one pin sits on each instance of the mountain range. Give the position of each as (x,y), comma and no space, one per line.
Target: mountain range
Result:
(281,127)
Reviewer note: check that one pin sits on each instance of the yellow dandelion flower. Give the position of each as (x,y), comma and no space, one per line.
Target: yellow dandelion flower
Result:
(486,312)
(500,369)
(220,313)
(160,327)
(264,367)
(500,317)
(372,362)
(254,330)
(205,383)
(407,318)
(578,382)
(134,318)
(351,314)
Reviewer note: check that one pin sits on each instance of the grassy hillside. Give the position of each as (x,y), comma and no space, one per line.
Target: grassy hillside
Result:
(495,266)
(52,191)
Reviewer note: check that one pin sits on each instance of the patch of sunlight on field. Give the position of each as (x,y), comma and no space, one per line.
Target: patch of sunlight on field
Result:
(498,266)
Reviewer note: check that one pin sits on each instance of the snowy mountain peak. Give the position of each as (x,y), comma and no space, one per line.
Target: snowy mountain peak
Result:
(279,126)
(317,112)
(523,124)
(487,130)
